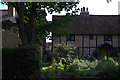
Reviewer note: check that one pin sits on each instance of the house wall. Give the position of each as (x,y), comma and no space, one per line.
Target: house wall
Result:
(87,46)
(10,39)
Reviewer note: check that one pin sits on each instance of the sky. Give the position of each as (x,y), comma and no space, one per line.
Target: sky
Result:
(95,7)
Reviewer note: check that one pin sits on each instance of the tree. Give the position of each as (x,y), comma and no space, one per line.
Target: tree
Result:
(108,1)
(31,19)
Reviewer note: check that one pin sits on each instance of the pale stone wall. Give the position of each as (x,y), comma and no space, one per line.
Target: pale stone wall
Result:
(10,39)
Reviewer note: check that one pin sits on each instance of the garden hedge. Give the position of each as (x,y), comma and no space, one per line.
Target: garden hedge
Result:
(20,62)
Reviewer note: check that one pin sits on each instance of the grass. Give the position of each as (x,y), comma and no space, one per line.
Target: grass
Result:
(76,74)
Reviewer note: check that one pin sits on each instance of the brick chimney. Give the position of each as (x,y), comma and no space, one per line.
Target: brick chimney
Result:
(84,12)
(11,10)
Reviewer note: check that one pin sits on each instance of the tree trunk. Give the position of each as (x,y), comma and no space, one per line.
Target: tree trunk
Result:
(20,11)
(32,25)
(32,35)
(26,38)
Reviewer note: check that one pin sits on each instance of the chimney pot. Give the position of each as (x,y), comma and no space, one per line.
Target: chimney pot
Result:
(84,11)
(87,9)
(83,8)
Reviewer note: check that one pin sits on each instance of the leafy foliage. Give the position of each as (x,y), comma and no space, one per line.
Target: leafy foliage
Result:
(116,53)
(119,68)
(66,52)
(32,17)
(7,24)
(20,62)
(96,53)
(74,66)
(85,64)
(107,68)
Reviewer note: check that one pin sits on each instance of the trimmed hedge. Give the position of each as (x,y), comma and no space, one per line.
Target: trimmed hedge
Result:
(20,62)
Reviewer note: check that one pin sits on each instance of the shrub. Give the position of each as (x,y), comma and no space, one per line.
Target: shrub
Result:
(60,67)
(54,67)
(115,53)
(85,64)
(74,66)
(96,53)
(67,52)
(107,68)
(20,62)
(91,58)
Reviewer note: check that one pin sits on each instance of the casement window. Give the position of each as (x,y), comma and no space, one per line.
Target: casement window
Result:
(107,37)
(70,38)
(91,37)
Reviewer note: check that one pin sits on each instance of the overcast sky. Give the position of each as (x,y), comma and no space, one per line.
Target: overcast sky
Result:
(97,7)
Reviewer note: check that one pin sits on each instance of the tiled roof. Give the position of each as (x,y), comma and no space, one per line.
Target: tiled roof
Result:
(94,24)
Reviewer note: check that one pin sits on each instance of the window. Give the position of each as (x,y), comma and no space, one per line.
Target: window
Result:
(91,37)
(70,38)
(107,38)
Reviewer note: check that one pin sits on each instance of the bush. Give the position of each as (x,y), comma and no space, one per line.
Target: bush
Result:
(91,58)
(107,68)
(74,66)
(20,62)
(54,67)
(77,65)
(96,53)
(85,64)
(116,53)
(119,68)
(67,52)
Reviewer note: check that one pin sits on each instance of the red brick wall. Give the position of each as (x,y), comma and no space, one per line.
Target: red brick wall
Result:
(100,40)
(115,41)
(86,41)
(78,40)
(93,42)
